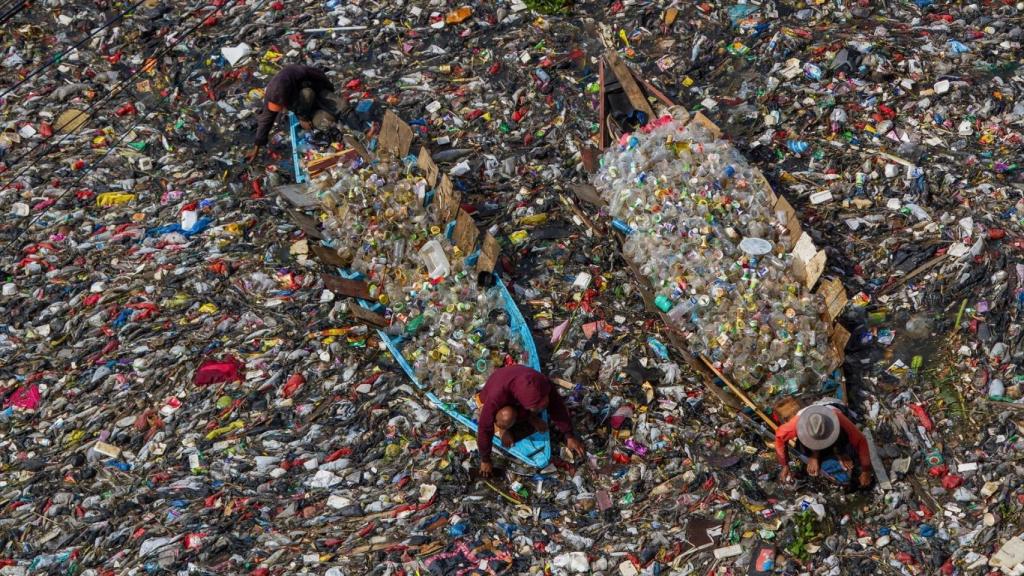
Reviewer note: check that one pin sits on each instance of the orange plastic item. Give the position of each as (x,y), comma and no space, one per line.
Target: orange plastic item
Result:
(458,15)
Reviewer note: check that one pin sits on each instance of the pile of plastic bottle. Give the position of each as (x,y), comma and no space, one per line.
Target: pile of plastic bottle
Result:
(452,328)
(703,231)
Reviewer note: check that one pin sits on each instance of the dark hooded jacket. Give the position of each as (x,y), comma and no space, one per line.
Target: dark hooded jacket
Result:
(282,93)
(523,388)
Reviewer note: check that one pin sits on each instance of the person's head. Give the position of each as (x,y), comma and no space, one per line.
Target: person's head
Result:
(540,405)
(535,397)
(506,417)
(818,427)
(305,106)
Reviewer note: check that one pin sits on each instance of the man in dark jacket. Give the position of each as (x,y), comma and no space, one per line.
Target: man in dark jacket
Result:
(527,392)
(302,89)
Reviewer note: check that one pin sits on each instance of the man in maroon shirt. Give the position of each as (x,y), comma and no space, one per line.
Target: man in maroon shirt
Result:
(528,392)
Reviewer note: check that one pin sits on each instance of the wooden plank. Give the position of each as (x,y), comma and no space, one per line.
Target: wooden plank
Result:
(351,142)
(328,257)
(602,112)
(876,463)
(587,193)
(739,393)
(629,84)
(305,223)
(706,122)
(367,316)
(346,287)
(651,89)
(889,286)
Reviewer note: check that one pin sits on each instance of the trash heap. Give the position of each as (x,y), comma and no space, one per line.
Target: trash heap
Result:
(704,233)
(180,390)
(449,321)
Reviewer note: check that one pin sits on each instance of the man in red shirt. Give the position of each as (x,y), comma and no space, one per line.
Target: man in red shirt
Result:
(823,432)
(519,393)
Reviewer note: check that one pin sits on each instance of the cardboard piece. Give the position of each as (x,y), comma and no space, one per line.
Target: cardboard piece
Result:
(70,121)
(834,294)
(840,336)
(488,254)
(447,200)
(466,233)
(346,287)
(805,248)
(791,221)
(814,269)
(367,316)
(395,135)
(426,163)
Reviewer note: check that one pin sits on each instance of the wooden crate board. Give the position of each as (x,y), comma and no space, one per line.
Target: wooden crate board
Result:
(346,287)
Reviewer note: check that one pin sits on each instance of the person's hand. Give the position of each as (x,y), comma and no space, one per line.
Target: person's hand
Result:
(813,467)
(846,462)
(251,156)
(785,475)
(575,446)
(486,469)
(305,124)
(865,478)
(538,423)
(507,440)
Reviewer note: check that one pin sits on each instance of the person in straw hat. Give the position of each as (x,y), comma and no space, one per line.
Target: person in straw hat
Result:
(823,432)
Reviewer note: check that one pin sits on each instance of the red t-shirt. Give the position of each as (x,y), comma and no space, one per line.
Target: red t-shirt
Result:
(787,432)
(521,387)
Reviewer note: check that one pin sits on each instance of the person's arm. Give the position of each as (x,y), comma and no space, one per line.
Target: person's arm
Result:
(267,118)
(783,434)
(559,412)
(857,440)
(485,430)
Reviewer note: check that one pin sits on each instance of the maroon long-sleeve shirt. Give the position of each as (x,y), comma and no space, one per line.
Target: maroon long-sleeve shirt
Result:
(521,387)
(282,93)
